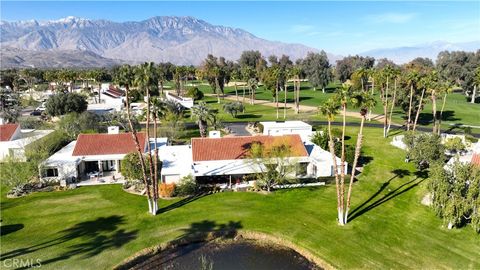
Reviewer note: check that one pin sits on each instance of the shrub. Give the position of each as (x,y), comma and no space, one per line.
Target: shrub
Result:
(73,123)
(63,103)
(30,122)
(195,93)
(424,149)
(233,108)
(454,145)
(167,190)
(186,187)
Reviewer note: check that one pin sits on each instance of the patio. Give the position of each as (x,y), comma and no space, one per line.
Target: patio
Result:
(102,179)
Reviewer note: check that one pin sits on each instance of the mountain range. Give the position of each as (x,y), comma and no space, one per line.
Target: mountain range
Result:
(180,40)
(79,42)
(402,55)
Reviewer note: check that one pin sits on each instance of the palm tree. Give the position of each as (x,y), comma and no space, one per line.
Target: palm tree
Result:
(412,80)
(387,73)
(161,73)
(157,111)
(423,84)
(362,73)
(365,102)
(98,75)
(252,85)
(342,96)
(295,74)
(395,74)
(235,75)
(475,84)
(146,80)
(204,116)
(444,88)
(125,77)
(330,109)
(432,82)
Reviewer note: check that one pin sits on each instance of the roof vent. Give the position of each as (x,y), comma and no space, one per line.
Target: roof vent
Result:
(214,134)
(113,130)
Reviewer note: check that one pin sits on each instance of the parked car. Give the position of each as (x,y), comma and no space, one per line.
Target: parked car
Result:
(36,112)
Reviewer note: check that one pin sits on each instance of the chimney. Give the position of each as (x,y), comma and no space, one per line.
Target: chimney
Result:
(214,134)
(113,130)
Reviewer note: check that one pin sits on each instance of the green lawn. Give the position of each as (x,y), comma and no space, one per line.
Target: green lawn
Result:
(457,109)
(98,227)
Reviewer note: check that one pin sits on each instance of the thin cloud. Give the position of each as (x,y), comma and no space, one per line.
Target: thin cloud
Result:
(302,28)
(391,17)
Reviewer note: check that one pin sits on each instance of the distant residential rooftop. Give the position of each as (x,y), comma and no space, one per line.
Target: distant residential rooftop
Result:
(272,124)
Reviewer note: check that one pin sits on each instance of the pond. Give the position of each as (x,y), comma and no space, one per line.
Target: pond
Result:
(233,255)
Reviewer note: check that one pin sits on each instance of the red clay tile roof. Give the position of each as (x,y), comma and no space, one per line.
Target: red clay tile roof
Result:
(229,148)
(106,144)
(476,159)
(7,131)
(114,92)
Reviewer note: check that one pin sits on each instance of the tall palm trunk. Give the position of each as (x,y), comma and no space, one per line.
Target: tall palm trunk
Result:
(285,102)
(146,182)
(441,113)
(217,89)
(418,109)
(385,115)
(335,172)
(370,111)
(358,148)
(298,95)
(236,90)
(150,159)
(342,168)
(161,87)
(410,108)
(295,95)
(392,106)
(276,99)
(157,170)
(373,85)
(243,93)
(434,111)
(202,125)
(99,92)
(474,94)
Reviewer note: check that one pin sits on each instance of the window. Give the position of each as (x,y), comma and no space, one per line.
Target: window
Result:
(302,169)
(51,172)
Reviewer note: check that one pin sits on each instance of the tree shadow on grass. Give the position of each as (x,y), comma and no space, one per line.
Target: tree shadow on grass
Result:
(181,203)
(94,237)
(192,238)
(426,118)
(398,173)
(248,115)
(7,229)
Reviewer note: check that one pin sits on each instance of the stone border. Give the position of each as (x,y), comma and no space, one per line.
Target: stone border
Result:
(261,238)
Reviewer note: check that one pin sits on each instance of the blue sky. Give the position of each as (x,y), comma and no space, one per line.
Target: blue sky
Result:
(337,27)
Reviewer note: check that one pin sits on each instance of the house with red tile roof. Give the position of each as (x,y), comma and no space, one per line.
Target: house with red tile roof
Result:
(13,140)
(228,158)
(9,132)
(92,154)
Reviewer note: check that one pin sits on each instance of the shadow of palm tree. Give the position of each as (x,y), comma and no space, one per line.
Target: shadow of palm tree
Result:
(398,173)
(180,203)
(11,228)
(96,237)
